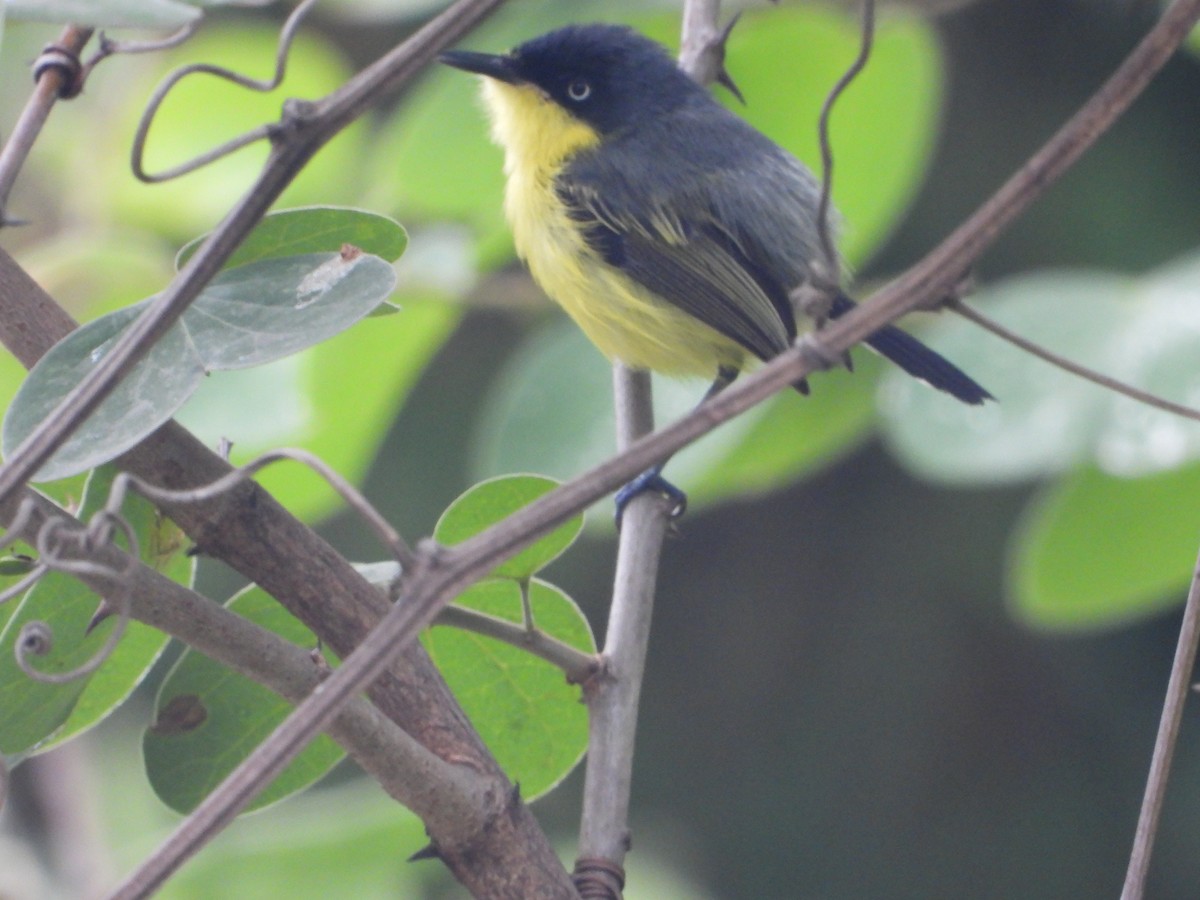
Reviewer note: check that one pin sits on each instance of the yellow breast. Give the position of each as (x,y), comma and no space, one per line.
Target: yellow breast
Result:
(626,321)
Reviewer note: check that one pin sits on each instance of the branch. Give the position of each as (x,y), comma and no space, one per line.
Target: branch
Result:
(1164,744)
(53,82)
(575,664)
(612,697)
(1105,381)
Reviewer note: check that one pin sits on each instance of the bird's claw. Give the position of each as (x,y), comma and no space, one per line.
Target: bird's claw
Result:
(650,480)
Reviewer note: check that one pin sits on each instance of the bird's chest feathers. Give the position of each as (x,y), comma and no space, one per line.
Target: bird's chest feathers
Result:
(623,320)
(538,136)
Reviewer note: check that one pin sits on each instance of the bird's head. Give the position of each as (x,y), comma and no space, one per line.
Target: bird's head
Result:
(604,78)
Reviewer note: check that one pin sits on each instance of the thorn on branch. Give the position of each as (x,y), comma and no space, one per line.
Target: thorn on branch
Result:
(429,851)
(103,611)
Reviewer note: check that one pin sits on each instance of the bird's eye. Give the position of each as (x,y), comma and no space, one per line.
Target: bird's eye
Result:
(579,90)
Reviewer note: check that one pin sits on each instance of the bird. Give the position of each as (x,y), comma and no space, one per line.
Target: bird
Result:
(672,231)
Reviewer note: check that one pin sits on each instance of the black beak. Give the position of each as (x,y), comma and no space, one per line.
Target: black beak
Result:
(502,68)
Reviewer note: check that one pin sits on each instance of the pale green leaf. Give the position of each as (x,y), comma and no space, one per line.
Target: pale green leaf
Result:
(529,717)
(1096,551)
(208,719)
(490,502)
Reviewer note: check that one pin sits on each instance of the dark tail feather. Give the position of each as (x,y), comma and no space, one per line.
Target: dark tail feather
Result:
(918,360)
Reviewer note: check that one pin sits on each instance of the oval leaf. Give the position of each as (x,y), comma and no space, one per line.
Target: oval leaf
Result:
(269,309)
(247,316)
(1159,347)
(528,715)
(491,501)
(767,447)
(208,719)
(148,396)
(1074,568)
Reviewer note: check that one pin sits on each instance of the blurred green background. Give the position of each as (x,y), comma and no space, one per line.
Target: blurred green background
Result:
(862,683)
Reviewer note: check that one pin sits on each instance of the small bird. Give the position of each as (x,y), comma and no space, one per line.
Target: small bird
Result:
(669,229)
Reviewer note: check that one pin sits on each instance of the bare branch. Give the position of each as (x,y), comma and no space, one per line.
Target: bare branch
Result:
(575,664)
(1164,744)
(832,267)
(286,36)
(1119,387)
(52,82)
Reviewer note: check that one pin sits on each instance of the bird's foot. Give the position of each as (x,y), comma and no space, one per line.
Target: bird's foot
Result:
(650,480)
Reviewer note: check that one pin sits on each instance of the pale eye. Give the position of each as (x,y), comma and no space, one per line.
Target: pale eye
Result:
(579,90)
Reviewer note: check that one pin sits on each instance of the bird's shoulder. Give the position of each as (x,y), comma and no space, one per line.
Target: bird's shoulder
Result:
(698,167)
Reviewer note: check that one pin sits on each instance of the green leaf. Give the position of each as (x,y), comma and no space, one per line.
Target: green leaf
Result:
(491,501)
(312,229)
(273,308)
(1044,420)
(549,410)
(1145,332)
(148,396)
(791,436)
(528,715)
(246,316)
(1098,552)
(208,719)
(31,711)
(1157,349)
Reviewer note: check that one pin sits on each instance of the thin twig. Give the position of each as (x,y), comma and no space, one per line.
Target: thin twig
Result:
(575,664)
(52,542)
(382,528)
(1164,744)
(286,35)
(50,85)
(111,46)
(1067,365)
(832,267)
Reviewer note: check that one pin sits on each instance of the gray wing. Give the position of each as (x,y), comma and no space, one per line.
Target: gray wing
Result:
(706,213)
